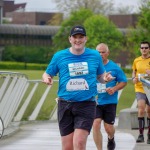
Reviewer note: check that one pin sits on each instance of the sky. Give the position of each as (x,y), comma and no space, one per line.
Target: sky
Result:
(49,5)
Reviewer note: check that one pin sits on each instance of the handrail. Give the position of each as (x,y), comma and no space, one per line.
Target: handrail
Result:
(145,79)
(12,73)
(15,85)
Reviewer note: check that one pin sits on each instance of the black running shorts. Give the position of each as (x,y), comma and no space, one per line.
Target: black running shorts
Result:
(106,112)
(75,115)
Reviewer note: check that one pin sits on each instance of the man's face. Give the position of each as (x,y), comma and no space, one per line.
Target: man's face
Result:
(78,41)
(103,52)
(144,49)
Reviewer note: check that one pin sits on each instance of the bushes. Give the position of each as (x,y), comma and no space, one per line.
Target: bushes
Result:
(127,70)
(33,66)
(22,65)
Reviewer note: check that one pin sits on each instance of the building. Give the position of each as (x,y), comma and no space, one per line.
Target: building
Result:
(15,14)
(9,6)
(33,18)
(124,21)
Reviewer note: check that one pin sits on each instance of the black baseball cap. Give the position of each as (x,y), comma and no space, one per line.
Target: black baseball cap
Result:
(78,30)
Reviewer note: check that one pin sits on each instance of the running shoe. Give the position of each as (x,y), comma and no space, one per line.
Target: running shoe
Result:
(140,139)
(111,144)
(148,138)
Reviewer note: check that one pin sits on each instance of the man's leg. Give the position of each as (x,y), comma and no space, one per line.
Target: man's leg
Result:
(109,120)
(67,143)
(141,113)
(80,139)
(110,132)
(148,123)
(97,135)
(84,114)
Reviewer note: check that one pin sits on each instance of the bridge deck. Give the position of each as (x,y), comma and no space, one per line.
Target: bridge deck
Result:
(45,136)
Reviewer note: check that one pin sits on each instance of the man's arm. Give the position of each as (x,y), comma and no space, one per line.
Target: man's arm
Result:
(47,79)
(134,78)
(105,77)
(119,86)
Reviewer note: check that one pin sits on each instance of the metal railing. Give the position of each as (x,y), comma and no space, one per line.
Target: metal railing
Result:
(145,79)
(17,92)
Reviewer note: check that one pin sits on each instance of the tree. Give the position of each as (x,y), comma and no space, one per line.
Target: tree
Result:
(33,54)
(144,20)
(124,10)
(96,6)
(142,31)
(101,29)
(76,18)
(56,19)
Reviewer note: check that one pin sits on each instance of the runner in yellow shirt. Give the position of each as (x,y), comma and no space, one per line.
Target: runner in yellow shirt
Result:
(141,65)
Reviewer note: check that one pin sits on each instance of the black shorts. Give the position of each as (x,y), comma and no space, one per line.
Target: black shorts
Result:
(143,96)
(75,115)
(106,112)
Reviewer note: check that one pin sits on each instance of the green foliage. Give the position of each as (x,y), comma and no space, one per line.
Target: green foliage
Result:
(60,40)
(13,53)
(144,19)
(29,54)
(127,71)
(56,19)
(142,31)
(98,27)
(127,97)
(22,65)
(101,30)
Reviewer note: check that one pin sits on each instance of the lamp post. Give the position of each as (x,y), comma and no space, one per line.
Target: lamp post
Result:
(1,11)
(25,44)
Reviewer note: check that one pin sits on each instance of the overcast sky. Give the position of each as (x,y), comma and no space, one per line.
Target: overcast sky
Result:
(49,5)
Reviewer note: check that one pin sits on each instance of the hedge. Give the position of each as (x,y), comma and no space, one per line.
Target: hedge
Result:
(22,66)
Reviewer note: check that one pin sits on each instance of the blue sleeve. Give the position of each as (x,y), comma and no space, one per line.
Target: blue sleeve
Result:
(52,68)
(121,77)
(101,68)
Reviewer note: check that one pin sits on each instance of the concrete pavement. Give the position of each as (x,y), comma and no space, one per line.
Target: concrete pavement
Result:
(45,136)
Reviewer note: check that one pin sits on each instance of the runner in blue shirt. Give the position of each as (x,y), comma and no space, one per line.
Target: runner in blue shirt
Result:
(78,69)
(107,100)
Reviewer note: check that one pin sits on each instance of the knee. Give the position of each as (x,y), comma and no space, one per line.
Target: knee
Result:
(148,109)
(79,143)
(96,125)
(108,129)
(141,110)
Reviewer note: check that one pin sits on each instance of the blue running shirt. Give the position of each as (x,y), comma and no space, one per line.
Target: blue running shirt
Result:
(77,73)
(103,96)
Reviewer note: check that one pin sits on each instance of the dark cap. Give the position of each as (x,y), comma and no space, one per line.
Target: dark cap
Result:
(78,30)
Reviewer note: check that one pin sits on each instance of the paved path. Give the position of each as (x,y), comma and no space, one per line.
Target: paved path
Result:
(45,136)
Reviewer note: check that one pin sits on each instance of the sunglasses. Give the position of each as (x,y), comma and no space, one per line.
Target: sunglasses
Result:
(144,47)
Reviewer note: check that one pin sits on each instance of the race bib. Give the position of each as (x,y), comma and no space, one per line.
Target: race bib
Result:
(77,69)
(101,88)
(77,84)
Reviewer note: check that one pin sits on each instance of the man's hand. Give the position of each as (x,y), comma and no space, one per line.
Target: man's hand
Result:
(135,80)
(110,90)
(47,79)
(148,72)
(108,77)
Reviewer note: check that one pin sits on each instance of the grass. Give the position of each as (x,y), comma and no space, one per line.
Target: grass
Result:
(125,101)
(127,97)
